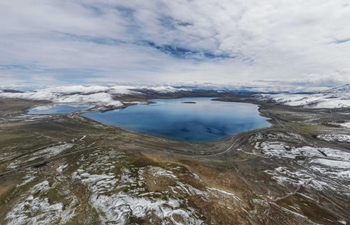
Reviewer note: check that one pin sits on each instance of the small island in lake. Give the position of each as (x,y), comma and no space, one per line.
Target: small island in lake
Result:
(189,102)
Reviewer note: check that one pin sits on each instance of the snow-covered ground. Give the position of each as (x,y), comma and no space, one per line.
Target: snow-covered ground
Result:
(37,209)
(118,193)
(335,137)
(340,124)
(311,167)
(116,205)
(300,164)
(43,153)
(333,98)
(281,149)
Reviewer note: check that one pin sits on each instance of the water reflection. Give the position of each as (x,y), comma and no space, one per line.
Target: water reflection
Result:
(202,121)
(57,109)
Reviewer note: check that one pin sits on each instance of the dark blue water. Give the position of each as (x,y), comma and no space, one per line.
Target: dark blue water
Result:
(203,121)
(57,109)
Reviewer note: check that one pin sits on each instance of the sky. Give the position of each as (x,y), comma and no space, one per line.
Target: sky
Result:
(179,41)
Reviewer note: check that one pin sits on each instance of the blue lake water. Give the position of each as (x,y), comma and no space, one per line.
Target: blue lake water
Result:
(57,109)
(203,121)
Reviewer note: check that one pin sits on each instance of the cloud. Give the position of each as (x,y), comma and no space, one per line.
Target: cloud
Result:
(312,81)
(42,78)
(226,41)
(341,41)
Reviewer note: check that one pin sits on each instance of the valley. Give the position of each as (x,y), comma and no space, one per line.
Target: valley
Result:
(67,169)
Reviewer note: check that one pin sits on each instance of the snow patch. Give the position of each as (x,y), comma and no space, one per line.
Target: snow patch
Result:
(37,209)
(27,179)
(158,171)
(61,168)
(225,193)
(50,151)
(335,137)
(119,196)
(118,207)
(281,149)
(332,163)
(317,168)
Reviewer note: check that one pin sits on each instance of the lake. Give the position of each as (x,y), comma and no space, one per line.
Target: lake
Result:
(57,109)
(194,120)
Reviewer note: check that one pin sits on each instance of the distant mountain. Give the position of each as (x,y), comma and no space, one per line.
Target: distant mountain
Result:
(339,89)
(10,91)
(337,97)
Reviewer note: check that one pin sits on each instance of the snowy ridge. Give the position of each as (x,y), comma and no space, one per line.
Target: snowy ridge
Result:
(80,94)
(165,89)
(95,95)
(338,97)
(341,89)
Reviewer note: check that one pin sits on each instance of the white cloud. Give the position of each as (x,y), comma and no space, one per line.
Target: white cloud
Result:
(42,78)
(269,40)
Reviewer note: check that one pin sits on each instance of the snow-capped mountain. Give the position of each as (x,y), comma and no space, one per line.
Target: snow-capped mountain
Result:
(98,95)
(84,94)
(338,97)
(340,89)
